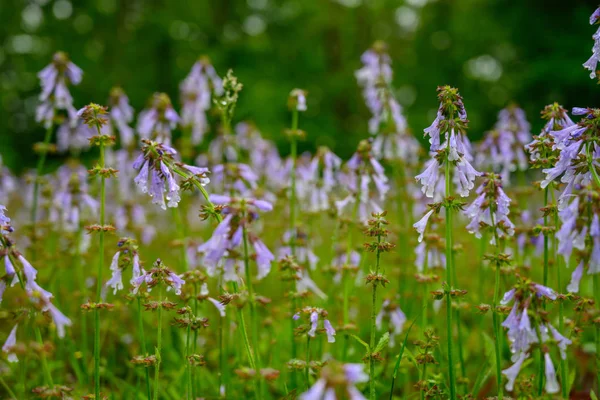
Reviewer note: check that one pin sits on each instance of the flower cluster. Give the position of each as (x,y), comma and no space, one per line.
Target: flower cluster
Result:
(526,325)
(449,144)
(490,209)
(160,274)
(55,95)
(196,93)
(502,150)
(314,314)
(220,249)
(158,120)
(157,171)
(362,169)
(592,63)
(337,381)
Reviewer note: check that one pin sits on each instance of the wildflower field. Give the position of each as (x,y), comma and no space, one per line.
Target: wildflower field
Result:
(177,253)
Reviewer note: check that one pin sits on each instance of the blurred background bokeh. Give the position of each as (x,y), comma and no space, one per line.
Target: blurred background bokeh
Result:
(495,51)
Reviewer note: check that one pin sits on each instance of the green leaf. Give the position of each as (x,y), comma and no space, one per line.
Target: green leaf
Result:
(359,340)
(593,395)
(397,366)
(383,341)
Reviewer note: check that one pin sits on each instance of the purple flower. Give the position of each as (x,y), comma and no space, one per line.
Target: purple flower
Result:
(421,225)
(551,381)
(314,318)
(573,286)
(9,344)
(429,177)
(54,80)
(512,372)
(561,341)
(592,62)
(329,331)
(158,120)
(59,319)
(196,93)
(542,290)
(175,282)
(218,305)
(121,115)
(116,281)
(297,100)
(264,257)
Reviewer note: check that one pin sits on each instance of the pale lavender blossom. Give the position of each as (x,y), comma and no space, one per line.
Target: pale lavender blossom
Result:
(396,316)
(158,120)
(592,63)
(512,372)
(196,93)
(552,385)
(54,80)
(9,344)
(121,116)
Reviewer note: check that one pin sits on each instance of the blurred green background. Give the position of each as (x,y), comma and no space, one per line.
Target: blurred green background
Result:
(495,51)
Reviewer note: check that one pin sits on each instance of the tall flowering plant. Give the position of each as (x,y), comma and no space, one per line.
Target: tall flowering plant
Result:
(450,149)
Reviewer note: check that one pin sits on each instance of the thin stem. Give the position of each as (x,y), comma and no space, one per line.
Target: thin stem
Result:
(596,281)
(345,271)
(564,364)
(253,318)
(143,343)
(158,343)
(99,275)
(38,173)
(449,276)
(372,393)
(307,372)
(495,318)
(546,242)
(7,388)
(47,376)
(188,368)
(293,156)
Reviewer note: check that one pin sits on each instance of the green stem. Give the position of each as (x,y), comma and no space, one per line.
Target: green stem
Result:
(564,364)
(540,365)
(449,275)
(188,368)
(307,372)
(372,393)
(253,318)
(293,232)
(47,376)
(596,281)
(158,344)
(345,271)
(38,173)
(7,388)
(546,243)
(99,276)
(143,344)
(293,156)
(495,317)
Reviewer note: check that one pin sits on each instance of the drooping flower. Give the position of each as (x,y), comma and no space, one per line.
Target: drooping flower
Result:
(126,257)
(502,149)
(196,92)
(392,139)
(363,173)
(158,120)
(221,249)
(159,274)
(72,196)
(55,96)
(121,115)
(9,344)
(449,143)
(490,209)
(314,314)
(297,100)
(512,372)
(158,169)
(337,381)
(592,62)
